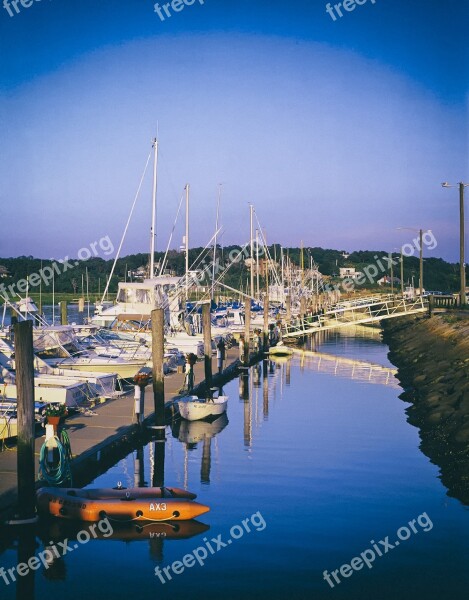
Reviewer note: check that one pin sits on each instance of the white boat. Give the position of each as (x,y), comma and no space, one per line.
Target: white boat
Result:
(280,350)
(193,408)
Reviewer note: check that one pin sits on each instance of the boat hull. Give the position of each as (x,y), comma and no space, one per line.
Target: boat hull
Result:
(195,410)
(110,493)
(124,510)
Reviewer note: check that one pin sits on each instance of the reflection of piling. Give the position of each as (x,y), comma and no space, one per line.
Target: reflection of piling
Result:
(207,328)
(288,372)
(63,313)
(247,330)
(26,421)
(247,423)
(244,386)
(206,461)
(265,392)
(26,549)
(158,469)
(139,468)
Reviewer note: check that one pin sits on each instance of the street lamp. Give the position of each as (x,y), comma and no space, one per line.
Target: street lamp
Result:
(420,232)
(462,266)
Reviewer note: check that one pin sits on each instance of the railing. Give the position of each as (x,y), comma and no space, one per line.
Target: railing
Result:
(368,310)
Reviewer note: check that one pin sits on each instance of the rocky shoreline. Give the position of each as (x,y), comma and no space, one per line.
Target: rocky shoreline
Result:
(432,357)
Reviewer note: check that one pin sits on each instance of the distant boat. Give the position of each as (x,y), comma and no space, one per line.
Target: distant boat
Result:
(280,350)
(193,408)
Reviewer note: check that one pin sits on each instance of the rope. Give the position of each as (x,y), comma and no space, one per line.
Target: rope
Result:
(56,475)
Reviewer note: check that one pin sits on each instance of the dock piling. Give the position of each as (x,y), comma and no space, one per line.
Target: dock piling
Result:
(247,330)
(157,337)
(207,328)
(24,359)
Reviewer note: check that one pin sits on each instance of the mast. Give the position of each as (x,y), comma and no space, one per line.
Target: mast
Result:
(215,240)
(187,242)
(153,213)
(251,210)
(257,262)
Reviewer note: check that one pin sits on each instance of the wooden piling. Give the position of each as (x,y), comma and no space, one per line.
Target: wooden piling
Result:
(288,309)
(157,347)
(265,344)
(207,328)
(24,359)
(302,310)
(247,330)
(63,313)
(81,310)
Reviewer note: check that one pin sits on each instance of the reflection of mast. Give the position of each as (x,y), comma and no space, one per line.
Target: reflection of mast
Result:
(206,460)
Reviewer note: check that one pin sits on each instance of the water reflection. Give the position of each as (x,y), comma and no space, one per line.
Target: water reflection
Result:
(190,433)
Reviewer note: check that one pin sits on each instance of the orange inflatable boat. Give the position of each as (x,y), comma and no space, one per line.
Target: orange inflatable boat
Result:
(59,503)
(122,492)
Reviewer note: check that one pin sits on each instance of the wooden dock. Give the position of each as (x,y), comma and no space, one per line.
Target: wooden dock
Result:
(99,439)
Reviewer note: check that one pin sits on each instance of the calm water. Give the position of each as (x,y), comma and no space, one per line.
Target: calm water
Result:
(322,454)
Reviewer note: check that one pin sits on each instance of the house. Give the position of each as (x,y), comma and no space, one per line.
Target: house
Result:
(4,272)
(386,280)
(349,272)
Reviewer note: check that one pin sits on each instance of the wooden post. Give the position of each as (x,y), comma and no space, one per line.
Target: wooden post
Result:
(63,313)
(302,311)
(207,328)
(81,310)
(431,305)
(266,323)
(157,347)
(247,330)
(288,308)
(24,359)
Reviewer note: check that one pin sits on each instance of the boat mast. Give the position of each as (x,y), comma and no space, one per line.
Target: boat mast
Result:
(187,241)
(257,263)
(215,240)
(153,215)
(251,210)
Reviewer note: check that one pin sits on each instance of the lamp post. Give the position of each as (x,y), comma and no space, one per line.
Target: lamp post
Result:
(462,266)
(420,232)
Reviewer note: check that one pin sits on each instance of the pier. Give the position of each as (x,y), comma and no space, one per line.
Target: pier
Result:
(102,435)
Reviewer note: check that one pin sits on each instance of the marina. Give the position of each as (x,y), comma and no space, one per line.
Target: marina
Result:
(338,505)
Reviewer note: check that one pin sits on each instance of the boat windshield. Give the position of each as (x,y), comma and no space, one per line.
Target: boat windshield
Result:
(134,295)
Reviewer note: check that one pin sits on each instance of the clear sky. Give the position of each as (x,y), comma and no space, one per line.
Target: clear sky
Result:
(338,131)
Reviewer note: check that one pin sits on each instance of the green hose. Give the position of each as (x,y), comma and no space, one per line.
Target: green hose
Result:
(61,473)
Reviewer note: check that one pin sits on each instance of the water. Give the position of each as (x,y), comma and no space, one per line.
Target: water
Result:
(322,456)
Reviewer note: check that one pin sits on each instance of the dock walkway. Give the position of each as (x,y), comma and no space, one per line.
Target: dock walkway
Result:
(99,439)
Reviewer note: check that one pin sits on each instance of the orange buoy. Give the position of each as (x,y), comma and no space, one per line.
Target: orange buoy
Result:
(58,503)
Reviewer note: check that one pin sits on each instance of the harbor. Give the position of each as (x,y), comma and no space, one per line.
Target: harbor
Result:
(234,301)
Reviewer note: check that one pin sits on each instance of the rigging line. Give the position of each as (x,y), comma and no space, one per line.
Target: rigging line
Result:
(126,227)
(163,264)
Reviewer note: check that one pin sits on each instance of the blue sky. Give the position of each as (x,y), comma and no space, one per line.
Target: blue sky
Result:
(337,131)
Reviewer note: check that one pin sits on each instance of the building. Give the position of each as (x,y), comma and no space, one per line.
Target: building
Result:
(4,272)
(349,272)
